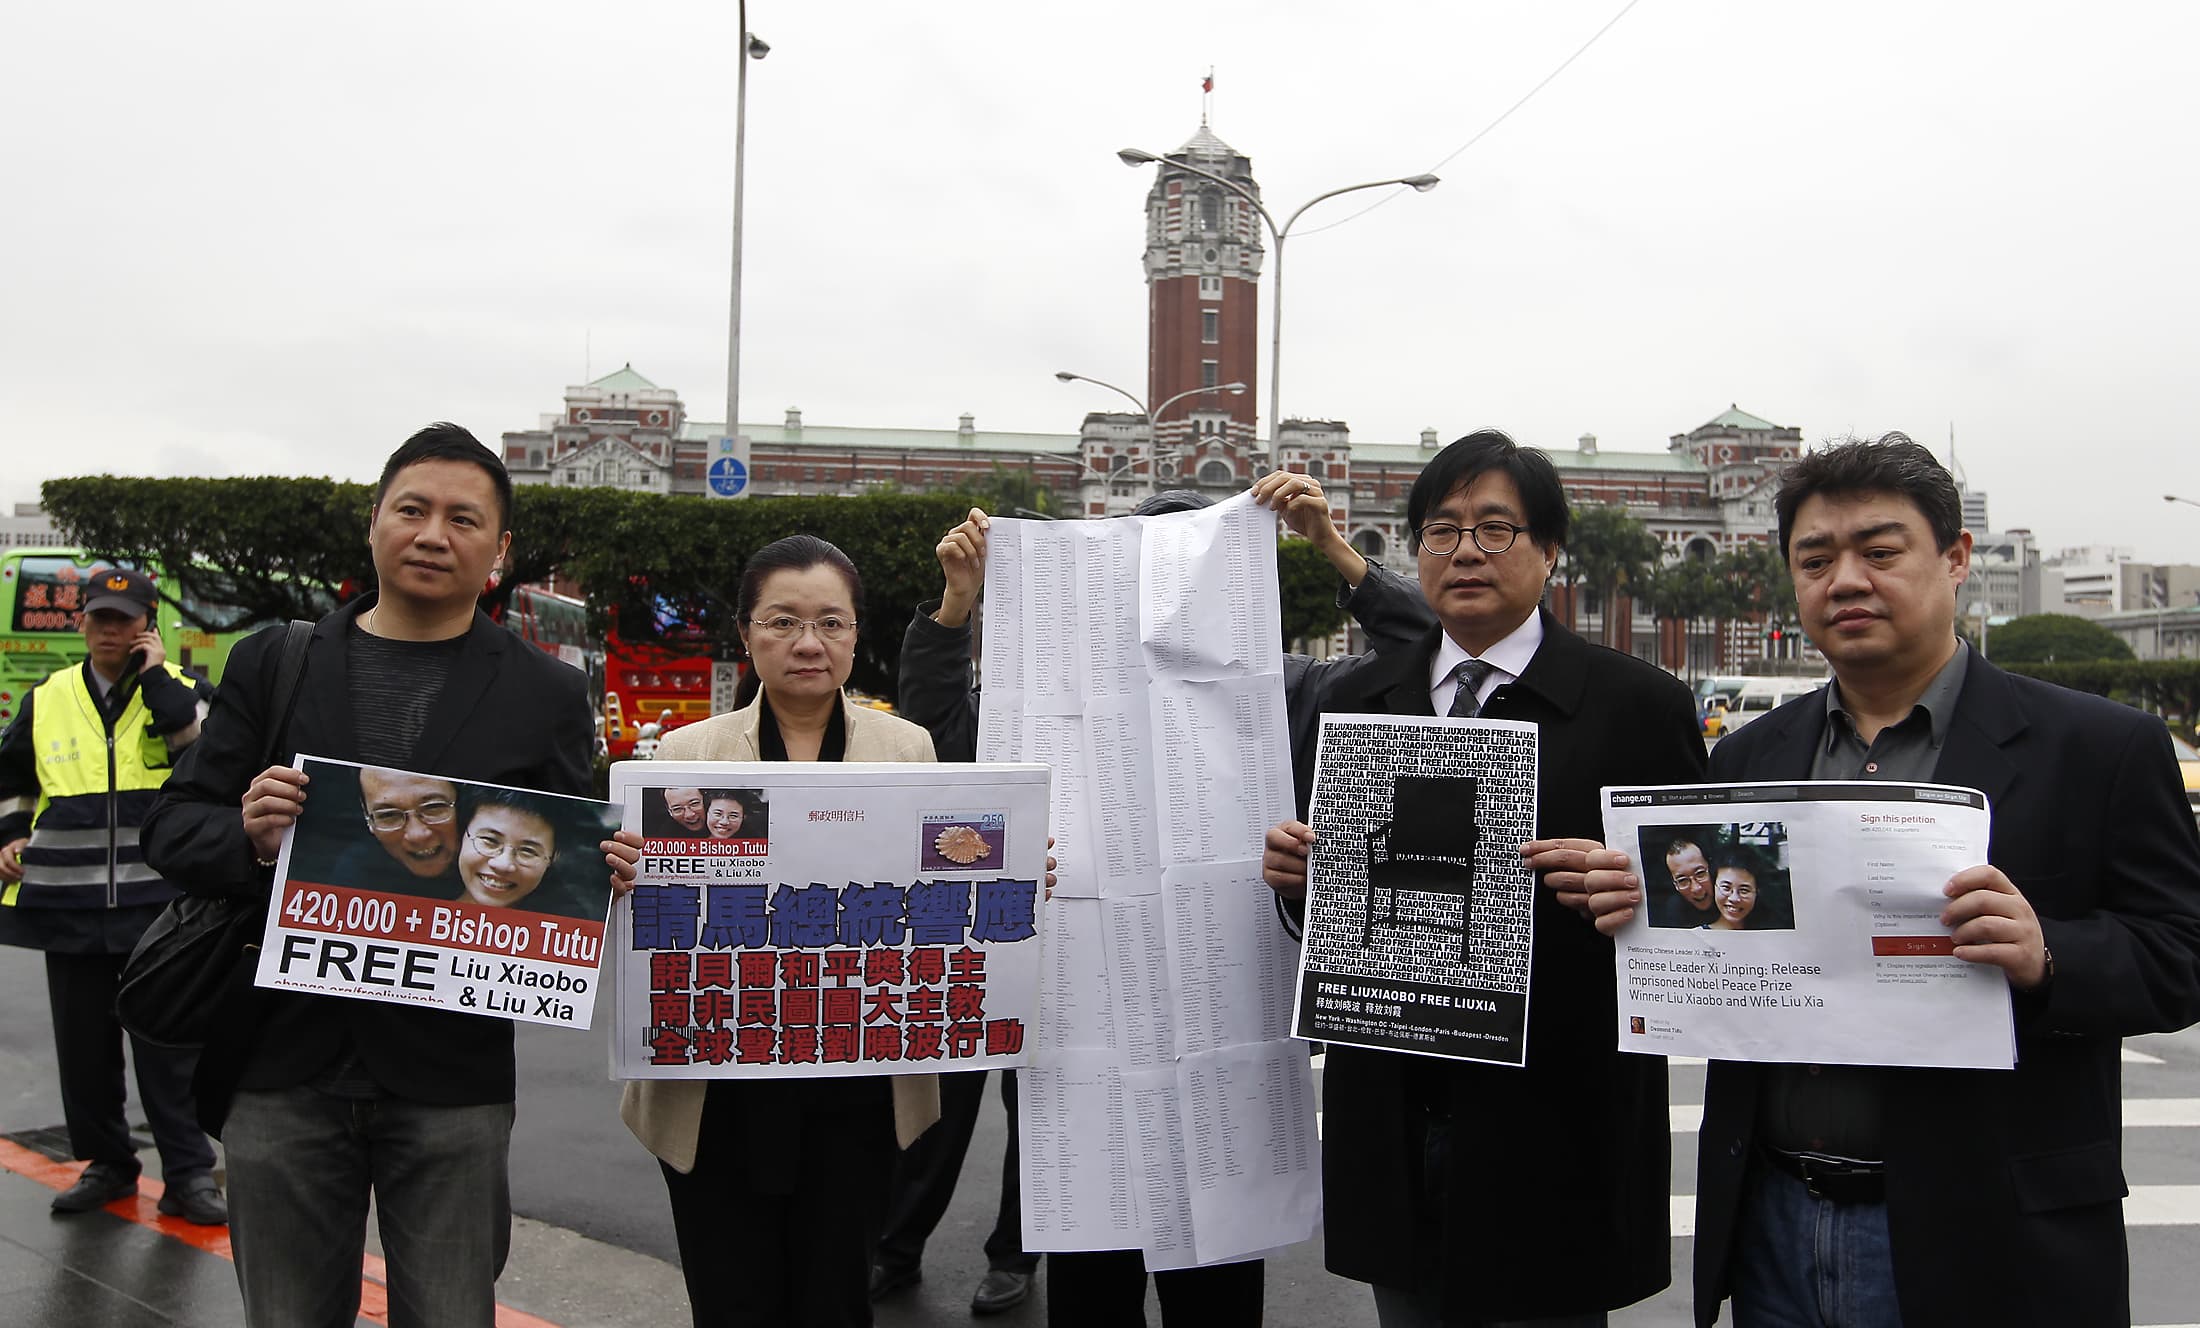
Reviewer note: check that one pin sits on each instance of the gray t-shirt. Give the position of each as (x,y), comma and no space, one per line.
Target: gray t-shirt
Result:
(394,684)
(1838,1109)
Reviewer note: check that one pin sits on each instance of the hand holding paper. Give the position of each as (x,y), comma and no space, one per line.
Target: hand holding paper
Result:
(962,561)
(1994,924)
(1283,862)
(621,853)
(1583,874)
(271,806)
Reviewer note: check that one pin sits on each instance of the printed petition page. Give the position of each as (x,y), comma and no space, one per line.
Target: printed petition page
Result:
(1166,1107)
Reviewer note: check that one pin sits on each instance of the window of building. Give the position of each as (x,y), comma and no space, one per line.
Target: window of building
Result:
(1210,325)
(1215,472)
(1210,373)
(1315,470)
(1210,210)
(1210,288)
(809,474)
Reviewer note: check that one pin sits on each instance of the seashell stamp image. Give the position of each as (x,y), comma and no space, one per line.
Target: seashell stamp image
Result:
(963,842)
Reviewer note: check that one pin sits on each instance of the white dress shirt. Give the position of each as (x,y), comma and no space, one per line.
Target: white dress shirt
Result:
(1508,659)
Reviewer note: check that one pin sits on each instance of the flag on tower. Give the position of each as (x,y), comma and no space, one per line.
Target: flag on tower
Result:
(1207,84)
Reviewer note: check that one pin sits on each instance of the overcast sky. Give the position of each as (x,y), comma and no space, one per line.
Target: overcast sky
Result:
(242,238)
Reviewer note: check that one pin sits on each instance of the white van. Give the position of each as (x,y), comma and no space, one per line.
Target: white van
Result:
(1763,695)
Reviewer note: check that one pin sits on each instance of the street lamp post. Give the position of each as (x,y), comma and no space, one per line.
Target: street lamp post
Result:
(2173,498)
(1420,184)
(753,47)
(1152,415)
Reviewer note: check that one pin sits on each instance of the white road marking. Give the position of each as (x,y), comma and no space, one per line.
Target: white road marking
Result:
(2177,1112)
(2139,1113)
(2130,1057)
(2147,1206)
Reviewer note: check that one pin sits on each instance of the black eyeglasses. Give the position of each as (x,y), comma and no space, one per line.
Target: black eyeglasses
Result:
(389,820)
(1442,537)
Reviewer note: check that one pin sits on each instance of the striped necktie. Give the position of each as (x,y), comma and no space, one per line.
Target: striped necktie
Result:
(1471,674)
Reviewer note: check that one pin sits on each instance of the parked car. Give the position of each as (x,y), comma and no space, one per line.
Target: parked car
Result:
(1765,695)
(1713,716)
(2188,761)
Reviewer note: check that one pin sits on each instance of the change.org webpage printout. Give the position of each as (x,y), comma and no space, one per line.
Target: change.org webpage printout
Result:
(1801,922)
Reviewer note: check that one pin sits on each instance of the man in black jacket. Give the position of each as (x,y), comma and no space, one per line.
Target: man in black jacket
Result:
(1462,1192)
(1882,1196)
(322,1101)
(78,888)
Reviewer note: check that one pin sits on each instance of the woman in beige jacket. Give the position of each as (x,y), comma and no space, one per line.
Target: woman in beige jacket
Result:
(779,1186)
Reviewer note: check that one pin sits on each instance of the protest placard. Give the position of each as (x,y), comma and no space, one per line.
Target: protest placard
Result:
(1801,922)
(418,889)
(810,920)
(1419,907)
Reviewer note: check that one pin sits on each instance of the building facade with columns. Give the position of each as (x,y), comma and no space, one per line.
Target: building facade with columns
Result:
(1706,491)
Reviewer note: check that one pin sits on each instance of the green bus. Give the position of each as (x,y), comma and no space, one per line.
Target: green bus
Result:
(40,590)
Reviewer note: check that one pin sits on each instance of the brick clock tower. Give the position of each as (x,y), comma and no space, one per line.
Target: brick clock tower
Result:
(1203,257)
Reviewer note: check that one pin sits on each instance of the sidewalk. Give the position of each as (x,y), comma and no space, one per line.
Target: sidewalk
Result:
(129,1267)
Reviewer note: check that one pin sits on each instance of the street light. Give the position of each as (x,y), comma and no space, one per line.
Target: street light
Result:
(1419,184)
(1153,416)
(2173,498)
(753,47)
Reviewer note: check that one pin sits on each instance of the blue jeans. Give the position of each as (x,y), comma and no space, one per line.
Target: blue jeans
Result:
(1801,1262)
(301,1166)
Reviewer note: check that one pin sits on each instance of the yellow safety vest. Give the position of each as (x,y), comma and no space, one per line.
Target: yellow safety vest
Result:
(94,791)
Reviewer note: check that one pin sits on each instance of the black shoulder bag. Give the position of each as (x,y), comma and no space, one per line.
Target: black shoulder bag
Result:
(184,962)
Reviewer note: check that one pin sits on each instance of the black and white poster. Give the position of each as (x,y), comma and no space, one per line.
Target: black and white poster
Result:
(1419,907)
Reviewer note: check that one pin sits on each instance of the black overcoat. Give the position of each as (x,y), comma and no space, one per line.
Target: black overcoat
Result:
(1556,1201)
(2004,1187)
(509,715)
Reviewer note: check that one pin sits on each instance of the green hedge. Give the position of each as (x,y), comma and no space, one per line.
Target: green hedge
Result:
(275,547)
(2168,687)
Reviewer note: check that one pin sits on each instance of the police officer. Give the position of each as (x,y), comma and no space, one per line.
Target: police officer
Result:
(79,769)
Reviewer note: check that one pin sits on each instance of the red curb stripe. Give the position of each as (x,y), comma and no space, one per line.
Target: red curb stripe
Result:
(144,1209)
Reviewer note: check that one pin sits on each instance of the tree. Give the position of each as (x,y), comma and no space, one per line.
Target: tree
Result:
(1611,550)
(670,567)
(1307,585)
(1759,584)
(233,552)
(2053,638)
(1686,592)
(1007,492)
(243,551)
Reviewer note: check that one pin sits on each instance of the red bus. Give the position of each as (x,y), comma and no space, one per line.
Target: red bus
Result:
(555,624)
(667,685)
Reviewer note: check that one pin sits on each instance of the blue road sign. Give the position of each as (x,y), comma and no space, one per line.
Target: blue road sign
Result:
(728,477)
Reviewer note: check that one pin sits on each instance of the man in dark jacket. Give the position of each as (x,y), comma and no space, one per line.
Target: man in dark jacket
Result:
(936,691)
(1461,1191)
(325,1102)
(1882,1196)
(79,769)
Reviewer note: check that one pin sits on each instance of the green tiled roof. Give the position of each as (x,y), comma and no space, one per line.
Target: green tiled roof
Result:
(832,438)
(1737,418)
(624,379)
(1667,463)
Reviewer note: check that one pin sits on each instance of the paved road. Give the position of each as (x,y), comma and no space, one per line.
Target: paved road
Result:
(594,1244)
